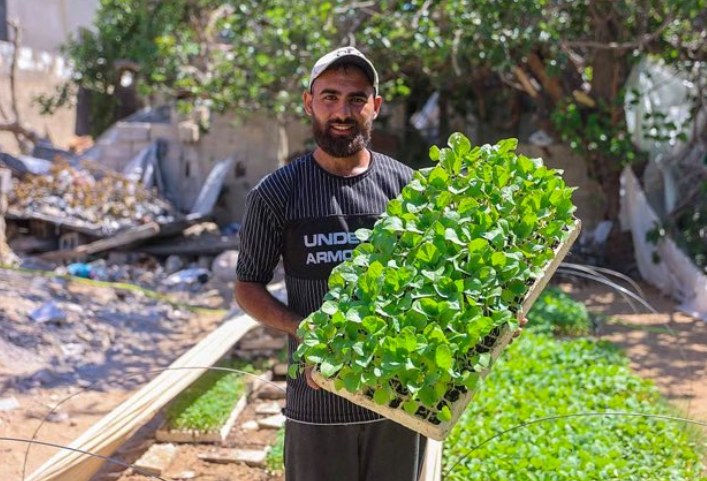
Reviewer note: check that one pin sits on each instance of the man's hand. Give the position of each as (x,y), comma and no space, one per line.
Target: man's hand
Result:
(310,380)
(522,324)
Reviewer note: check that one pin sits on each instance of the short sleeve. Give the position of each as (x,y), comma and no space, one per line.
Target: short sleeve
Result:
(261,241)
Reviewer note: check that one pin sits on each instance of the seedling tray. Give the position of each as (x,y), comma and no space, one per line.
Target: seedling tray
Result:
(494,344)
(166,434)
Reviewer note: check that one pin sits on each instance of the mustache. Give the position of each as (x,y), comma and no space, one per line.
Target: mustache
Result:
(346,121)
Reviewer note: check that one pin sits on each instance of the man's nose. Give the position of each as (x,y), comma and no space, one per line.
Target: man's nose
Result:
(343,111)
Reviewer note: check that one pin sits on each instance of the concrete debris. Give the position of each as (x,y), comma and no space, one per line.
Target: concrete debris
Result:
(272,391)
(48,312)
(268,408)
(188,277)
(280,369)
(250,426)
(157,459)
(249,457)
(8,404)
(104,202)
(272,422)
(186,475)
(173,264)
(224,266)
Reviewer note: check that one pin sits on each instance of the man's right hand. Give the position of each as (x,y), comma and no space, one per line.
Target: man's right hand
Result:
(310,379)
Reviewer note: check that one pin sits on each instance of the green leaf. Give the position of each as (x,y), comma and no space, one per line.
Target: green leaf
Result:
(459,143)
(434,153)
(329,368)
(443,357)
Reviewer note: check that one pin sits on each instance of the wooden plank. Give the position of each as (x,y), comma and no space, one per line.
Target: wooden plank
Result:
(87,228)
(114,429)
(440,431)
(121,239)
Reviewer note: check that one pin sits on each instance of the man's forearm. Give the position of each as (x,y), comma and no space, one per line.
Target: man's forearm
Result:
(257,301)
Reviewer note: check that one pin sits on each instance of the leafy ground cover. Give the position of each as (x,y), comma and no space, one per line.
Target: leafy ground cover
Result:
(555,312)
(208,402)
(541,376)
(445,268)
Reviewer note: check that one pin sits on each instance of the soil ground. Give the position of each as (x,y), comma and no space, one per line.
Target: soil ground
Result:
(668,347)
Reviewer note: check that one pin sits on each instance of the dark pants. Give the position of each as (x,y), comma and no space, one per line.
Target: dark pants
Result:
(378,451)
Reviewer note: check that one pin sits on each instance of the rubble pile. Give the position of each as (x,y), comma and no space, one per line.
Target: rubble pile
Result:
(108,202)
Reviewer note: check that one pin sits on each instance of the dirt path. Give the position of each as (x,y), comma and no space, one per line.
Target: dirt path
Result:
(669,347)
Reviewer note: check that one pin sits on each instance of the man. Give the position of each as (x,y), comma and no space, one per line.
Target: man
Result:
(306,213)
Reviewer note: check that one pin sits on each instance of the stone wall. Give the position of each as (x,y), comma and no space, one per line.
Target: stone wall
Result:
(47,24)
(257,147)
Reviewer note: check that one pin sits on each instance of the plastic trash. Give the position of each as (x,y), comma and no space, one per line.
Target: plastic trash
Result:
(48,312)
(80,269)
(188,276)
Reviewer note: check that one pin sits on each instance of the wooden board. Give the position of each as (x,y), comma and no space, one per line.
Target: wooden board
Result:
(440,431)
(114,429)
(122,238)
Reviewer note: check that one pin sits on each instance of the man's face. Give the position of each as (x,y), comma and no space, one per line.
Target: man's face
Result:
(342,106)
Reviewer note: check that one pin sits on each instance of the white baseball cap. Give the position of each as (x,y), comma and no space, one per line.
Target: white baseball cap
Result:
(345,54)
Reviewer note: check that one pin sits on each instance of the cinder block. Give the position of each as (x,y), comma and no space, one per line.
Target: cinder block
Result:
(188,132)
(164,131)
(133,132)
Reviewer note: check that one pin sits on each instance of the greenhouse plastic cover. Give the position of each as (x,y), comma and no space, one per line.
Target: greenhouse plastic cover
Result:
(675,274)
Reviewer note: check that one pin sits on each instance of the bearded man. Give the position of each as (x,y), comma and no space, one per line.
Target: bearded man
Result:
(306,213)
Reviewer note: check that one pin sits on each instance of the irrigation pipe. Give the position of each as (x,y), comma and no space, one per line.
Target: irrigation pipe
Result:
(610,272)
(576,415)
(81,451)
(597,275)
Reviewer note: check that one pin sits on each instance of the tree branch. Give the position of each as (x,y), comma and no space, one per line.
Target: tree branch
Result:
(637,44)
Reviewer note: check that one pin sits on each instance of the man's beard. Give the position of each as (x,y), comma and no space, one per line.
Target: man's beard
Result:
(342,145)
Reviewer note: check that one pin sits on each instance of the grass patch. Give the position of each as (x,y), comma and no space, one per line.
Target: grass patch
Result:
(275,459)
(540,376)
(207,403)
(557,313)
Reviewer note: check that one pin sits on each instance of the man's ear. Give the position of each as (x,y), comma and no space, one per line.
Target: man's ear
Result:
(377,102)
(307,100)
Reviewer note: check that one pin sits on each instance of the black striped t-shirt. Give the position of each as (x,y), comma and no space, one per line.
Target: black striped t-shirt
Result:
(307,216)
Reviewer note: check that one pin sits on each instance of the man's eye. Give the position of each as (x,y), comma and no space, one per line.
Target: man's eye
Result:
(359,100)
(330,97)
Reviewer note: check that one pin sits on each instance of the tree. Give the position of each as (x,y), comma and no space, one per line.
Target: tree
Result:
(569,58)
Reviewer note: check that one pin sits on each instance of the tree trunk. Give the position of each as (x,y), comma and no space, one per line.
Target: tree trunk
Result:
(609,73)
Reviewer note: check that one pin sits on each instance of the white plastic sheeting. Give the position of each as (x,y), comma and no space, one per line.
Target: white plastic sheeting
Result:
(675,274)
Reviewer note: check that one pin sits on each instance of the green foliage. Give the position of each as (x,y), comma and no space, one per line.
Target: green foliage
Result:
(207,403)
(541,377)
(443,270)
(275,458)
(557,313)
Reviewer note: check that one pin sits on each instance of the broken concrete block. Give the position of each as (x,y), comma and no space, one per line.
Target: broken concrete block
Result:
(250,426)
(157,459)
(249,457)
(188,132)
(132,132)
(272,391)
(8,404)
(269,408)
(280,369)
(224,266)
(184,475)
(272,422)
